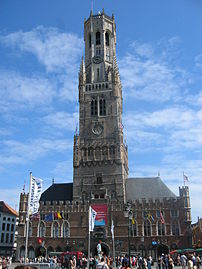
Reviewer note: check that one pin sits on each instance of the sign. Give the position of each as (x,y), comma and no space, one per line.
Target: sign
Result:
(101,217)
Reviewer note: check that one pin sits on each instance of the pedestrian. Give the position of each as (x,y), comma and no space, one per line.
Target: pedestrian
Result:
(102,264)
(190,263)
(183,260)
(198,261)
(148,262)
(170,262)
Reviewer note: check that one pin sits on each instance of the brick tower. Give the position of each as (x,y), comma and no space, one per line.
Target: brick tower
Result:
(100,156)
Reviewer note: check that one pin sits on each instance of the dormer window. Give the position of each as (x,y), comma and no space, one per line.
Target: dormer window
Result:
(97,38)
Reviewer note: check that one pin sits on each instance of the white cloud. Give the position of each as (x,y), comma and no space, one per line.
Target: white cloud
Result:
(62,120)
(63,171)
(18,91)
(15,152)
(173,128)
(54,49)
(150,73)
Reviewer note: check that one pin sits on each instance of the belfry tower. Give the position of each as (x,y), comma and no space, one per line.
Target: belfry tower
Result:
(100,156)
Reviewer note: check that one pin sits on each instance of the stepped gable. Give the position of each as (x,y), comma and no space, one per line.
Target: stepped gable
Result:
(58,192)
(147,187)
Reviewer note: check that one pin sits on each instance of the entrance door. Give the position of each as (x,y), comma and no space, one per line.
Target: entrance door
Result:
(162,249)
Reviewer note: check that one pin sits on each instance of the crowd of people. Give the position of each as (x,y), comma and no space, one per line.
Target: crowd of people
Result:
(190,261)
(5,262)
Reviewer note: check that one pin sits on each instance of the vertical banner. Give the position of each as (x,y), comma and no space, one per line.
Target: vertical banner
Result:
(35,194)
(101,217)
(92,217)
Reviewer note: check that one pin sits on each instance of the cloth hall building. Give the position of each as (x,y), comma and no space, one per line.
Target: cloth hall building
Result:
(158,220)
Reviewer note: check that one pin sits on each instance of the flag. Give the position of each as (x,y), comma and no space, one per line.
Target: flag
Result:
(162,218)
(133,221)
(185,178)
(148,216)
(55,215)
(59,215)
(112,229)
(40,240)
(92,216)
(35,216)
(49,217)
(35,194)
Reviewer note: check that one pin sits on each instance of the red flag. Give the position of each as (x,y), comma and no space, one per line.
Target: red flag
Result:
(162,218)
(40,240)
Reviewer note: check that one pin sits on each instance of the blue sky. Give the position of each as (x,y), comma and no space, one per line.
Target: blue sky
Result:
(160,60)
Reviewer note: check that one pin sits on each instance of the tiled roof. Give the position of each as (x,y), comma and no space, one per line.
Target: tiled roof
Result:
(147,187)
(5,208)
(58,192)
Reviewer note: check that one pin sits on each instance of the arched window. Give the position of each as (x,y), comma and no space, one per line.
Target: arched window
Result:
(147,228)
(22,251)
(89,40)
(112,151)
(31,253)
(97,38)
(102,107)
(107,39)
(94,107)
(97,153)
(55,229)
(104,152)
(42,229)
(83,152)
(65,230)
(90,152)
(175,228)
(161,228)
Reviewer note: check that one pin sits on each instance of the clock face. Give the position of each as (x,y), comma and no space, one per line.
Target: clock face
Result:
(97,59)
(97,129)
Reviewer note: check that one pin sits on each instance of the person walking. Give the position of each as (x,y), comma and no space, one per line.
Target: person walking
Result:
(190,263)
(183,260)
(198,261)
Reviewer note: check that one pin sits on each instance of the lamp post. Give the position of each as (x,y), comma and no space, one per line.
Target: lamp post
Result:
(128,213)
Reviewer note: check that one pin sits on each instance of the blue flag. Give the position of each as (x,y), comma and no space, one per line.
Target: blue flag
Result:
(49,217)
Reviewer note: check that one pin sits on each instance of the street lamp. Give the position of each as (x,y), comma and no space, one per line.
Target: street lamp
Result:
(128,213)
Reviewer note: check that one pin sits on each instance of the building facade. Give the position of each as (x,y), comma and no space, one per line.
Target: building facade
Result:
(8,218)
(158,220)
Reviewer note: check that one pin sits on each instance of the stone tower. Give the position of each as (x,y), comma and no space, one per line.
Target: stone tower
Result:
(100,156)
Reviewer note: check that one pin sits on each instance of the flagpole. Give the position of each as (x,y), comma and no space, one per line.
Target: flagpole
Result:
(183,178)
(27,219)
(113,246)
(88,262)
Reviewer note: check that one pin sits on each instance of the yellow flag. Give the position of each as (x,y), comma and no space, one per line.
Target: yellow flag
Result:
(59,216)
(133,221)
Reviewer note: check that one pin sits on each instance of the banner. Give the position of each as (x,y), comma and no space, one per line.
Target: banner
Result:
(92,216)
(35,194)
(101,217)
